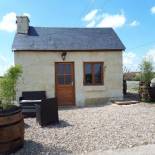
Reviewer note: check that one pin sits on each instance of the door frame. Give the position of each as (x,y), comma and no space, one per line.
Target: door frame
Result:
(74,96)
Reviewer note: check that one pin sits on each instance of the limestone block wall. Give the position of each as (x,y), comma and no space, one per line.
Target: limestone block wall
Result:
(39,74)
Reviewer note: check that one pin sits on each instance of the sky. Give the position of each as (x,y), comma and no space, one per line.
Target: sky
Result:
(133,21)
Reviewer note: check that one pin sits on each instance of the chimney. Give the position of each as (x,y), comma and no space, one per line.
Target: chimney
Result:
(22,24)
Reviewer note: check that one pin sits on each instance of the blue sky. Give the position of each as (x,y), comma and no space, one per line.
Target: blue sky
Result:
(133,20)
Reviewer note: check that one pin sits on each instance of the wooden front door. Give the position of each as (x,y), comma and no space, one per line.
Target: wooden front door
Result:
(64,76)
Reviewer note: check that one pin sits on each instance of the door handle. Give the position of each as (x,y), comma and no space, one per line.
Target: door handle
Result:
(72,83)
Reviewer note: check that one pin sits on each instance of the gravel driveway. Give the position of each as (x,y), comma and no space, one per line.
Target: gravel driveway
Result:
(88,129)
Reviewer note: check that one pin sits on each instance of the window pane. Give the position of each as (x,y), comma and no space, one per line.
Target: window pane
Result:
(88,68)
(68,68)
(61,69)
(68,79)
(88,74)
(60,79)
(97,73)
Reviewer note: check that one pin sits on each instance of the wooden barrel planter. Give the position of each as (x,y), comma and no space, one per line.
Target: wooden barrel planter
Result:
(11,130)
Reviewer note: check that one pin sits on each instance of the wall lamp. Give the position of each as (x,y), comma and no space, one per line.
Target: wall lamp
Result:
(63,55)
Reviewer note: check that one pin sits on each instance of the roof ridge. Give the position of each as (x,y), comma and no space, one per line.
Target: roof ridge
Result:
(72,27)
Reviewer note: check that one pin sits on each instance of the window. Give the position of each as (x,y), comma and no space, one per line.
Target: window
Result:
(64,74)
(93,73)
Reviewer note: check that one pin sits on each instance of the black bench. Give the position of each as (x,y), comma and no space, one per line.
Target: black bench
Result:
(29,99)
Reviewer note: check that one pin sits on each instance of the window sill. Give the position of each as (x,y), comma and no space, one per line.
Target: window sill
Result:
(93,84)
(94,87)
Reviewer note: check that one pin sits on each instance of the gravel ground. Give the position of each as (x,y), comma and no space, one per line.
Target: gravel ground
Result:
(139,150)
(92,129)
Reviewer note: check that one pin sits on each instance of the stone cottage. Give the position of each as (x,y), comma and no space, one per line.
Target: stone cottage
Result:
(79,66)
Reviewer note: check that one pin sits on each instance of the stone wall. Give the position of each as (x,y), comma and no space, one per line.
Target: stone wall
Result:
(39,74)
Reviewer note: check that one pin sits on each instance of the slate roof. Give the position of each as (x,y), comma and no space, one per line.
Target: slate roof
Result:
(71,39)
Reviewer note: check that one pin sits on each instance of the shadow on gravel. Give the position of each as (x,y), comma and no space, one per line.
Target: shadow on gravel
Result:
(62,124)
(132,96)
(34,148)
(97,105)
(26,126)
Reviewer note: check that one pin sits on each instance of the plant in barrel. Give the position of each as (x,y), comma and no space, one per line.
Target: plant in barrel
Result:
(146,75)
(8,87)
(11,118)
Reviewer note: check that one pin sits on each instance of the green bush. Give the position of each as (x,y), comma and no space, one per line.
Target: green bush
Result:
(8,85)
(146,69)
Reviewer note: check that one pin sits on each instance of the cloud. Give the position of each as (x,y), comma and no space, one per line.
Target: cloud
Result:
(91,24)
(90,16)
(152,10)
(134,23)
(151,55)
(130,61)
(128,58)
(115,21)
(27,14)
(98,18)
(8,22)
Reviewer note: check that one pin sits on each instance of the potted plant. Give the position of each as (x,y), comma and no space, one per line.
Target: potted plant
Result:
(11,119)
(146,72)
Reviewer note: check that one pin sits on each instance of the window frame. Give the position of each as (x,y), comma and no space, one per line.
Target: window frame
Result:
(93,73)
